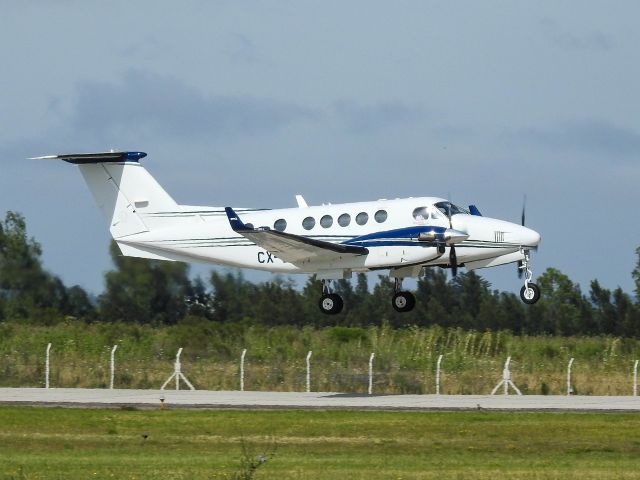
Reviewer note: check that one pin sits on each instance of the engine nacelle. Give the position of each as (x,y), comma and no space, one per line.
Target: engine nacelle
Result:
(448,236)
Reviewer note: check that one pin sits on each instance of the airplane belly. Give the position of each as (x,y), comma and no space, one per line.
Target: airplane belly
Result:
(241,256)
(392,256)
(470,254)
(249,256)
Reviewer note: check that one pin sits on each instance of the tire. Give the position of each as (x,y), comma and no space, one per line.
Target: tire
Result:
(331,304)
(530,295)
(403,302)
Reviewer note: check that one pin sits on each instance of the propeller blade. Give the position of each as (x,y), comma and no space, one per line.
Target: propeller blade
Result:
(520,269)
(453,260)
(524,205)
(449,215)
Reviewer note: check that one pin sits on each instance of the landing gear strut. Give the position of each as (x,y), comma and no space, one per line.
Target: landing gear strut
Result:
(330,303)
(530,292)
(402,301)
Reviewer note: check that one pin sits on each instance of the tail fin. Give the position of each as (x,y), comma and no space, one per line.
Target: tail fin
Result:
(121,188)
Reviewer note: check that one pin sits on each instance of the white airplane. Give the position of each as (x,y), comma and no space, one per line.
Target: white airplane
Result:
(332,241)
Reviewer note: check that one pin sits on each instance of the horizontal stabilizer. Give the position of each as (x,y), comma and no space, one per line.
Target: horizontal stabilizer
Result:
(100,157)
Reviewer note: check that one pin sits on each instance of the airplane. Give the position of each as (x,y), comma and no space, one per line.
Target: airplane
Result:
(403,236)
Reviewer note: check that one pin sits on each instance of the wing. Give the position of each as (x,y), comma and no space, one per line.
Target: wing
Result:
(292,248)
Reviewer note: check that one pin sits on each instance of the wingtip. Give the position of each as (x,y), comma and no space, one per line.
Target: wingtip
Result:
(234,219)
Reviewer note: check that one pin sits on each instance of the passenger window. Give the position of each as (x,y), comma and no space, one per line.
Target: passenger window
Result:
(380,216)
(421,213)
(326,221)
(362,218)
(280,225)
(344,219)
(308,223)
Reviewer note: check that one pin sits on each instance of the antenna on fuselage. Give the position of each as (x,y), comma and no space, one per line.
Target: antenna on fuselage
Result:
(301,202)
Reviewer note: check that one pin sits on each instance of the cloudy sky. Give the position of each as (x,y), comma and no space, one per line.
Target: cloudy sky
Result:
(340,101)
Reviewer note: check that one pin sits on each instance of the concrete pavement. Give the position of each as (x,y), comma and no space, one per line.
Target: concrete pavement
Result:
(81,397)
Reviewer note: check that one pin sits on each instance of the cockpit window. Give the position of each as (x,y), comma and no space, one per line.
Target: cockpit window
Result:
(446,207)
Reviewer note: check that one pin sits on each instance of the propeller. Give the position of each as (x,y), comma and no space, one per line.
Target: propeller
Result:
(453,259)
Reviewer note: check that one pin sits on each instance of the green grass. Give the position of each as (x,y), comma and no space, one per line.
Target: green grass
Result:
(405,358)
(97,443)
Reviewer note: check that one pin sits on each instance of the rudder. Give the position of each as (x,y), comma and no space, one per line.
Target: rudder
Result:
(122,188)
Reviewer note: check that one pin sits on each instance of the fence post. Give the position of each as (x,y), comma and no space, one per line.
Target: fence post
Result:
(309,371)
(113,365)
(371,373)
(244,352)
(438,375)
(506,374)
(569,389)
(46,367)
(635,379)
(178,368)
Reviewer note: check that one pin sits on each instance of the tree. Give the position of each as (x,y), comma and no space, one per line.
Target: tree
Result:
(562,308)
(625,314)
(511,313)
(199,300)
(311,293)
(435,299)
(277,302)
(79,304)
(605,318)
(470,291)
(636,277)
(144,291)
(27,290)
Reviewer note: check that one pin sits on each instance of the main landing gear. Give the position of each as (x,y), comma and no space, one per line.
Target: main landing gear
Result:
(330,303)
(530,292)
(402,301)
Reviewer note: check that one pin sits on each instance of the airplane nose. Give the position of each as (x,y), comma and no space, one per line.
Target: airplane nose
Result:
(529,237)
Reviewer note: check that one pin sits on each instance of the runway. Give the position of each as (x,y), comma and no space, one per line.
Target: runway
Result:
(119,398)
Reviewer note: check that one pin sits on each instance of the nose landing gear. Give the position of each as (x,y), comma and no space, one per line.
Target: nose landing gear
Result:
(402,301)
(530,292)
(330,303)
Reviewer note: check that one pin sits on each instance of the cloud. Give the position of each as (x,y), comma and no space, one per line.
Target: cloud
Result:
(240,49)
(593,41)
(146,105)
(366,118)
(593,136)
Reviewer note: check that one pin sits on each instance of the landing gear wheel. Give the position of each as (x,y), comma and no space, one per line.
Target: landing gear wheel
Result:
(530,293)
(331,304)
(403,302)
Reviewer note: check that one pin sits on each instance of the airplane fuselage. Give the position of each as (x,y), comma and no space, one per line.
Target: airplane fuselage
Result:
(203,234)
(332,241)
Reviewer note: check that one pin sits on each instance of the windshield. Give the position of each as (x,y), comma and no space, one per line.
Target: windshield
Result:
(446,207)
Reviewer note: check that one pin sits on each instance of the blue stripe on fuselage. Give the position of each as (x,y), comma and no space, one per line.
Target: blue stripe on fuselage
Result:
(407,232)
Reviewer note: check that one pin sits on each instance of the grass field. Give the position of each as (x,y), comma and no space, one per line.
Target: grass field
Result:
(43,443)
(405,359)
